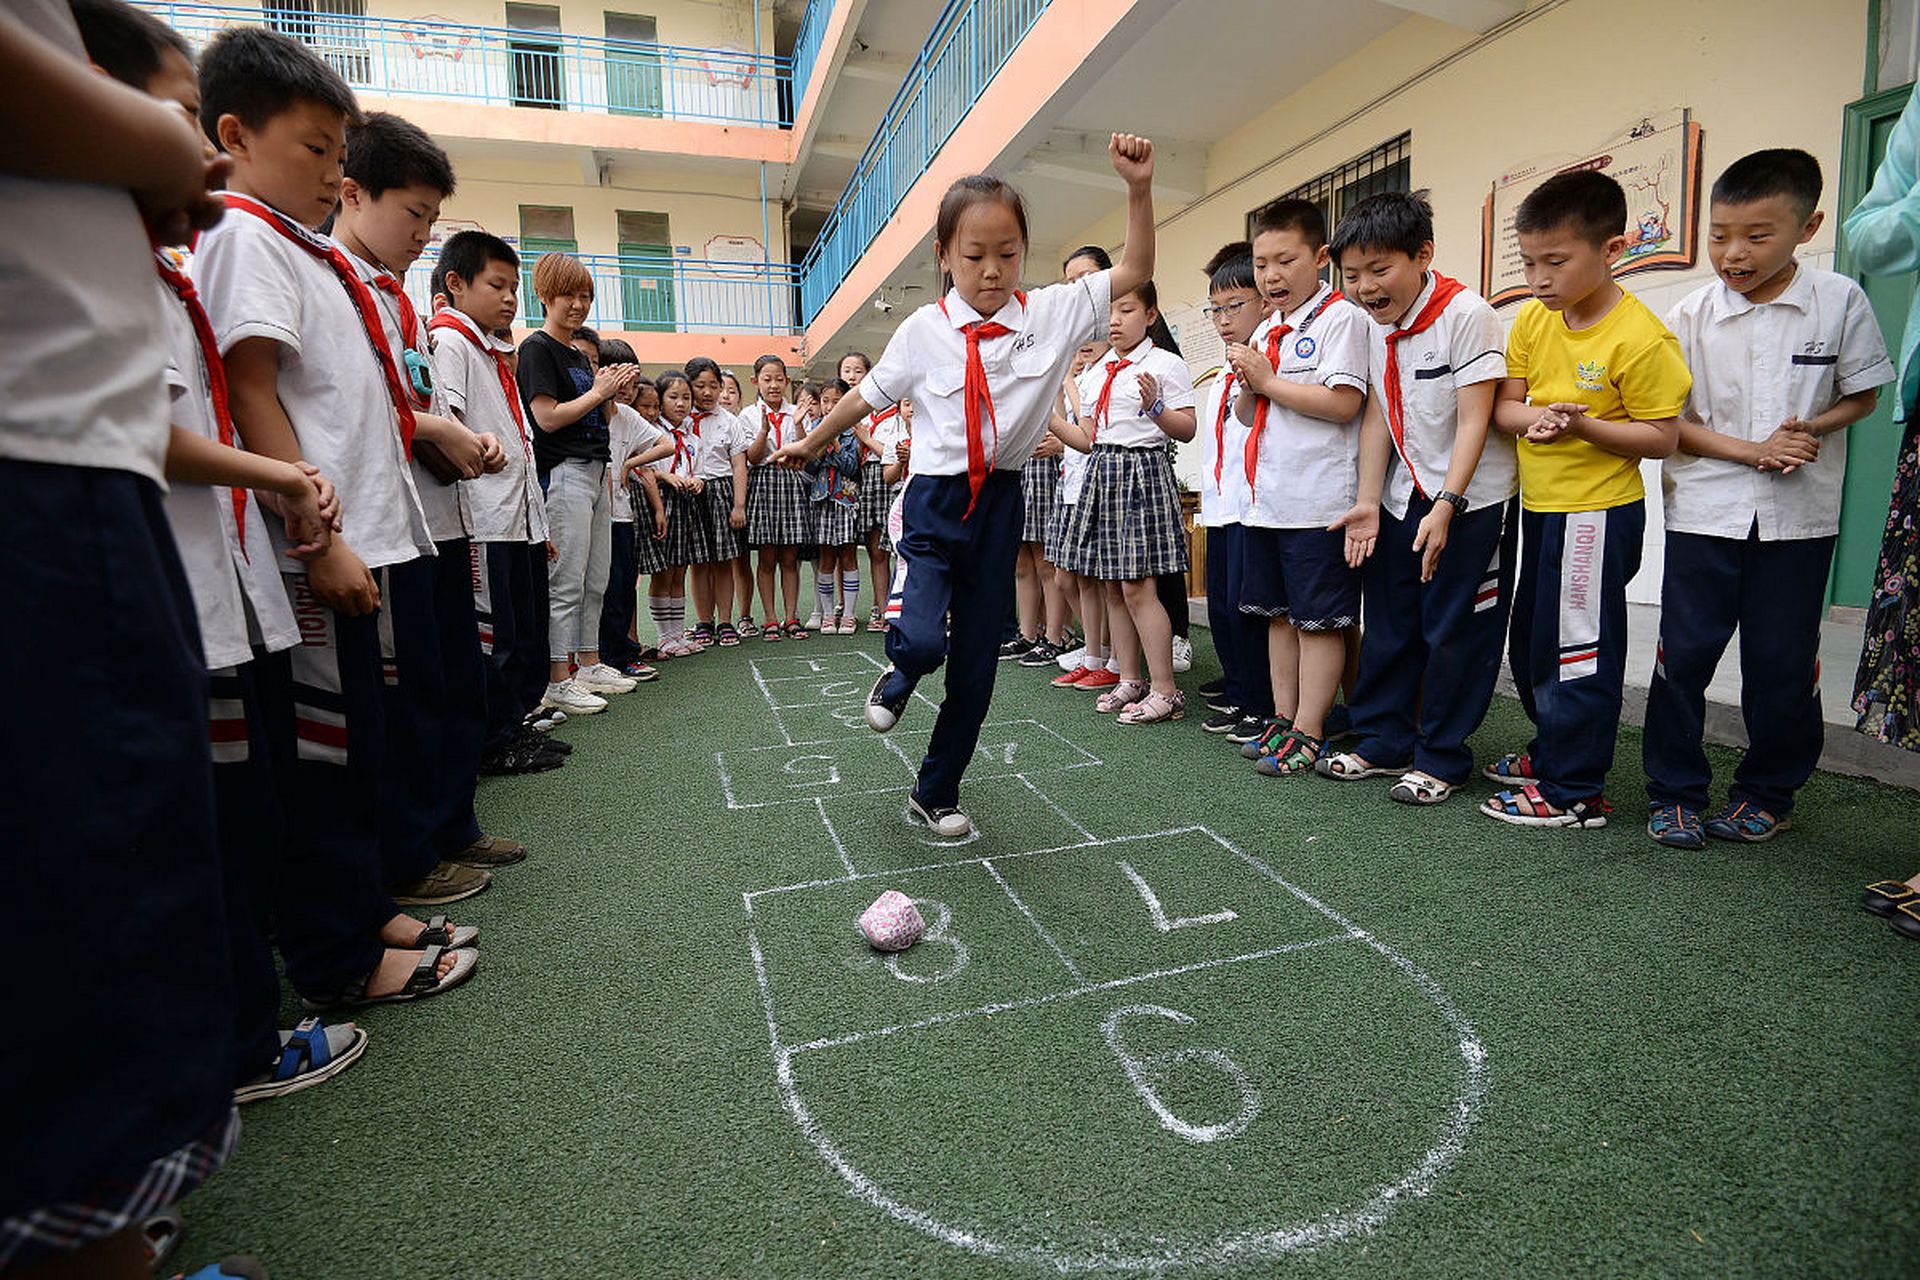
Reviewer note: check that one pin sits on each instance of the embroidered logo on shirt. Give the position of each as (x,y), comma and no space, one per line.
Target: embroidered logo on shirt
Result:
(1304,348)
(1591,375)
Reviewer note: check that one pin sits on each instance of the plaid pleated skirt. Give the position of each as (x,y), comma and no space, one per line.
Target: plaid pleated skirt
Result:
(1127,522)
(1059,521)
(779,507)
(836,524)
(688,540)
(893,496)
(724,542)
(1039,481)
(875,497)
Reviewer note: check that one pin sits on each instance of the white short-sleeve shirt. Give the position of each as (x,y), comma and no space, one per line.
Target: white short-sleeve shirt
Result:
(237,589)
(722,436)
(77,272)
(257,284)
(506,506)
(440,503)
(926,362)
(1223,451)
(1307,471)
(1754,367)
(1125,425)
(686,451)
(1465,345)
(783,425)
(888,432)
(628,431)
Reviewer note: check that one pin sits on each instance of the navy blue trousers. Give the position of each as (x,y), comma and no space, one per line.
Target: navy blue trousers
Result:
(963,568)
(251,830)
(1430,652)
(1239,638)
(1775,593)
(1568,644)
(326,729)
(112,914)
(622,599)
(512,613)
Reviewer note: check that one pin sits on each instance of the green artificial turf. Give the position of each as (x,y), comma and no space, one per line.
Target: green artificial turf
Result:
(1614,1059)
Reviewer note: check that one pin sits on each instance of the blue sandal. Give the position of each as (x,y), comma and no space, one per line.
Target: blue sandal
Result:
(1746,823)
(1676,827)
(310,1053)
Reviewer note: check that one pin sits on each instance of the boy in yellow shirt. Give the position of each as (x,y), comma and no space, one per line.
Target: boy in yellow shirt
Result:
(1594,384)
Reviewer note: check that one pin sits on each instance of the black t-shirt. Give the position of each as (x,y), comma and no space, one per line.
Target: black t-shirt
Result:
(550,368)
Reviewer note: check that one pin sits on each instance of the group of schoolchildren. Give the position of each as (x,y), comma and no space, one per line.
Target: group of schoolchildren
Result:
(378,516)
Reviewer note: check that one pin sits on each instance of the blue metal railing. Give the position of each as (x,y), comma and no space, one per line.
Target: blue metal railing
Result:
(970,41)
(806,46)
(662,295)
(410,58)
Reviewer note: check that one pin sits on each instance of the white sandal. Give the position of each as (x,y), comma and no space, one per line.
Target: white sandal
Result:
(1154,708)
(1120,697)
(1417,787)
(1350,766)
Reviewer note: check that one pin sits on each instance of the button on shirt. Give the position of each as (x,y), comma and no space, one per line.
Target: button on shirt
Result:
(1754,367)
(1308,469)
(1466,345)
(926,362)
(1223,441)
(722,436)
(1125,424)
(506,506)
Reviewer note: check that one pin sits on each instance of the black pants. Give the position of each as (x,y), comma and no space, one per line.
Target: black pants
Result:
(510,604)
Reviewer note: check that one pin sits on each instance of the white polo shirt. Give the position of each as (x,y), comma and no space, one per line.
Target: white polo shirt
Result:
(627,431)
(238,594)
(686,449)
(81,350)
(783,426)
(256,284)
(722,435)
(1465,345)
(888,434)
(1223,445)
(1307,472)
(439,502)
(926,362)
(1754,367)
(1125,424)
(508,505)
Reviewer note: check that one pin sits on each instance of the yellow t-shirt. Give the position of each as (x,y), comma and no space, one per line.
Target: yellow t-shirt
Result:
(1626,368)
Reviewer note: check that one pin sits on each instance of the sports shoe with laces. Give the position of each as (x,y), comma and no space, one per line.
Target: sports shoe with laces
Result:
(602,679)
(946,821)
(1014,648)
(447,882)
(888,698)
(1073,659)
(1182,654)
(1042,654)
(1221,721)
(569,697)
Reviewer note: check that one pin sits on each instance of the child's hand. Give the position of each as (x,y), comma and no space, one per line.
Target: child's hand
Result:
(493,458)
(1430,539)
(553,552)
(341,581)
(660,527)
(1149,391)
(463,450)
(323,489)
(1362,524)
(693,484)
(1555,421)
(1249,366)
(1790,447)
(1132,158)
(173,211)
(1050,447)
(902,448)
(737,518)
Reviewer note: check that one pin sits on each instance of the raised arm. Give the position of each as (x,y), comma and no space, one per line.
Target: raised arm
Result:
(1133,160)
(850,410)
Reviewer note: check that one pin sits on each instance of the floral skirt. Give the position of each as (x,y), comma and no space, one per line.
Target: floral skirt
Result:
(1886,691)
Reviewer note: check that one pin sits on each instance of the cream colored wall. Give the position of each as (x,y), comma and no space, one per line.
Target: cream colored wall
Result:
(706,24)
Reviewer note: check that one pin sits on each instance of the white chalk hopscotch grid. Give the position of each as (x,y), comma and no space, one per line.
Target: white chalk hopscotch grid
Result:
(1163,1251)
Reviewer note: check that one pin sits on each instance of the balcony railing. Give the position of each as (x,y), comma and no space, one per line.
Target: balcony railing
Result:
(970,42)
(662,294)
(411,58)
(806,45)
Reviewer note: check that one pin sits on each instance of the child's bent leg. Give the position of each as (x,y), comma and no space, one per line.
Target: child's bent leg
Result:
(1153,629)
(1463,617)
(1700,601)
(1589,555)
(1783,594)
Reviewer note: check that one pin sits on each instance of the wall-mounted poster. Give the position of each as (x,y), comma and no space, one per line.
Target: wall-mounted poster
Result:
(1657,161)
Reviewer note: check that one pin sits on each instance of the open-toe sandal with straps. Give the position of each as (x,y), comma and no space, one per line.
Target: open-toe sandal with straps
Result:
(1418,787)
(1296,754)
(1350,766)
(1154,708)
(1120,697)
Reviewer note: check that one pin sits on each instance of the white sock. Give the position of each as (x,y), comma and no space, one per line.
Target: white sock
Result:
(823,591)
(657,607)
(850,592)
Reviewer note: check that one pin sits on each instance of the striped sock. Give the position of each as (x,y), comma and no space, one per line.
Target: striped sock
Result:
(850,592)
(660,609)
(823,591)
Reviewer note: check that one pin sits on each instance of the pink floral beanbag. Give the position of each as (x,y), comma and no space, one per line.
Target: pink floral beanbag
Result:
(892,923)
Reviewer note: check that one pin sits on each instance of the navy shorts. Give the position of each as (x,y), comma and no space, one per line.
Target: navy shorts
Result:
(1300,575)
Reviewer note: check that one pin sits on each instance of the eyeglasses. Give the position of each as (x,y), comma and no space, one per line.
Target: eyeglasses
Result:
(1229,310)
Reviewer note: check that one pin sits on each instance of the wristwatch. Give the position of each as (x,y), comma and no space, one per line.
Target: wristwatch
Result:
(1457,501)
(1157,408)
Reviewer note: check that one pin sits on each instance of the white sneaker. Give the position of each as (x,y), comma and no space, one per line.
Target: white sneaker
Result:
(601,678)
(569,697)
(813,621)
(1073,658)
(1182,654)
(948,824)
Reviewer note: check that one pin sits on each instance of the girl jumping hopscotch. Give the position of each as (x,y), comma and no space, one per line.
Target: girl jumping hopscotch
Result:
(983,367)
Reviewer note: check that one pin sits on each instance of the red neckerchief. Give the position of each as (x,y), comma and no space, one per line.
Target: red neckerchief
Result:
(216,376)
(1102,407)
(357,291)
(776,420)
(873,424)
(1444,291)
(975,395)
(409,329)
(680,449)
(1274,336)
(1220,426)
(509,386)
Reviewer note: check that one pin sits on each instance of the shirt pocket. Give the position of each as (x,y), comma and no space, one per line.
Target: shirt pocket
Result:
(1431,394)
(1034,361)
(1811,377)
(944,381)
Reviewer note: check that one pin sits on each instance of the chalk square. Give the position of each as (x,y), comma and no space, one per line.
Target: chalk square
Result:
(1188,900)
(861,765)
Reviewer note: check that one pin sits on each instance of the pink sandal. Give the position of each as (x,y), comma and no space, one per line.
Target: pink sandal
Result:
(1119,697)
(1154,708)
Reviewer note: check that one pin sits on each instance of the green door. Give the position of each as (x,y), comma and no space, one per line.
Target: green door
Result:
(633,66)
(1873,443)
(646,286)
(533,315)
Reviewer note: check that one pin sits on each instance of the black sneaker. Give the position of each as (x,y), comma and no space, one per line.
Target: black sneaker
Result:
(517,759)
(1220,702)
(884,708)
(1222,721)
(1213,689)
(540,742)
(1018,647)
(947,822)
(1043,654)
(1250,729)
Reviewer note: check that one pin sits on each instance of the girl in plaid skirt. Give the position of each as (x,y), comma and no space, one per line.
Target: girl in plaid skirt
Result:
(721,467)
(1127,526)
(836,500)
(875,497)
(670,529)
(779,513)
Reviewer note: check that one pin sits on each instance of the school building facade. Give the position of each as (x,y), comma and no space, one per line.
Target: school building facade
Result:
(745,176)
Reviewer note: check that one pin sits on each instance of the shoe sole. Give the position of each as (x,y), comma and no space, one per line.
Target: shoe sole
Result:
(579,711)
(608,691)
(442,900)
(1736,837)
(1669,842)
(1563,820)
(1218,728)
(488,865)
(307,1079)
